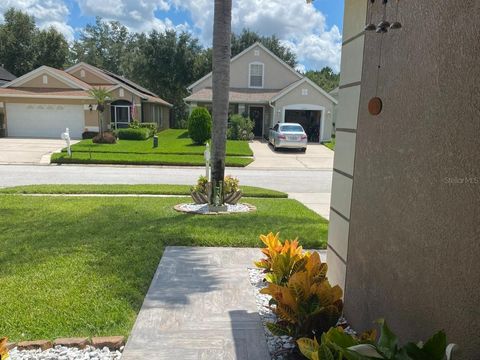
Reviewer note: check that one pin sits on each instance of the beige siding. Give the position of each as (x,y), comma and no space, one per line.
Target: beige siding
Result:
(314,98)
(53,83)
(346,124)
(276,75)
(127,95)
(90,77)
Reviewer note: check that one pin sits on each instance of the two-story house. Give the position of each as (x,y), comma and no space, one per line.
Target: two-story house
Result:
(269,91)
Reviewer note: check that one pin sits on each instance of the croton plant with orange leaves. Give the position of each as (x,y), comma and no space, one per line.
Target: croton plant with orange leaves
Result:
(3,349)
(282,259)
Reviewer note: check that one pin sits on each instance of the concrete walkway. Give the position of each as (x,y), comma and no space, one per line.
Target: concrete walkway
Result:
(200,306)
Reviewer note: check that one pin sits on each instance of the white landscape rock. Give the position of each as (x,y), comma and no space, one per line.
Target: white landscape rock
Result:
(66,353)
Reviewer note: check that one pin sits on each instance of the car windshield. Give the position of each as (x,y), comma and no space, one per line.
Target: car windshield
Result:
(291,128)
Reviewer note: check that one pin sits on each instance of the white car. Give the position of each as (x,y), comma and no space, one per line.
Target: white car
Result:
(288,135)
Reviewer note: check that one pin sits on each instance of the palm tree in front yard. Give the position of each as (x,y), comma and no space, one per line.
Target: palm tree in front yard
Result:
(101,96)
(222,27)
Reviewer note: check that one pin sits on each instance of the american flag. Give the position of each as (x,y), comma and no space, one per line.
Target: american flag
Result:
(133,110)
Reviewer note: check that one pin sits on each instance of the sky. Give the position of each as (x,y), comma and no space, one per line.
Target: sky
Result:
(311,31)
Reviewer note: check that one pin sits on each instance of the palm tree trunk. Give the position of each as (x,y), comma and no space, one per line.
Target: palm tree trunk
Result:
(222,27)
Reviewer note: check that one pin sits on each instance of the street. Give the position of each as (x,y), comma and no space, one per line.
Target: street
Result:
(311,187)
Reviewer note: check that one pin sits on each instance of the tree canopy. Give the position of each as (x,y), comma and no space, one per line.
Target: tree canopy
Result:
(247,38)
(164,62)
(326,78)
(24,47)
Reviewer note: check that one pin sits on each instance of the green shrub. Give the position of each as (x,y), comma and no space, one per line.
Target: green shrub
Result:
(336,344)
(240,128)
(199,125)
(134,134)
(145,125)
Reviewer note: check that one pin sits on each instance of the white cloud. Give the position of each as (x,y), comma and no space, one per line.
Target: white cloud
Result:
(46,12)
(137,15)
(299,25)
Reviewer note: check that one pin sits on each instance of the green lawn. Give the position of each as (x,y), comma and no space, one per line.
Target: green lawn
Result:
(330,144)
(147,189)
(141,159)
(81,266)
(171,141)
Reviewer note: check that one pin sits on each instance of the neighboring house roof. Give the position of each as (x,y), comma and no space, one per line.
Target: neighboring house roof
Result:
(236,95)
(298,83)
(79,88)
(6,76)
(57,74)
(244,52)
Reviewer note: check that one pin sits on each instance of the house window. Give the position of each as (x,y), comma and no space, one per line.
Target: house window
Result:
(45,79)
(256,75)
(304,92)
(82,73)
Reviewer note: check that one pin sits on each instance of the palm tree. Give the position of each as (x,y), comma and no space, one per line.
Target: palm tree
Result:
(222,28)
(101,96)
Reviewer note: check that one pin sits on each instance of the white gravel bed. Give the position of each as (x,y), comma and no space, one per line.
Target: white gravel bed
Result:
(278,346)
(203,208)
(66,353)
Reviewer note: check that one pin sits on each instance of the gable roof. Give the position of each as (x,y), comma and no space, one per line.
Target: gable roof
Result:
(116,79)
(298,83)
(243,53)
(6,75)
(60,75)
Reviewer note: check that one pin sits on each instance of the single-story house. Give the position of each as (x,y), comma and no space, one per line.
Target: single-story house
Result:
(269,91)
(46,101)
(5,76)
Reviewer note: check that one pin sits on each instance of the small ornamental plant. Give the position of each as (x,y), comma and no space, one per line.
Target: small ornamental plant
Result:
(199,125)
(231,188)
(3,349)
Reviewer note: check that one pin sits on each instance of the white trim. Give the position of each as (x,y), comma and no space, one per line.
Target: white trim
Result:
(302,107)
(129,111)
(263,116)
(243,53)
(45,96)
(91,128)
(93,69)
(50,71)
(128,88)
(298,83)
(250,75)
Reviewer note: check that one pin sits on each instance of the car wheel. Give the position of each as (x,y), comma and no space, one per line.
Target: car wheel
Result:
(274,146)
(303,150)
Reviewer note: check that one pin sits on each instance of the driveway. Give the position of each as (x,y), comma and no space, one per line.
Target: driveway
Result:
(317,157)
(28,150)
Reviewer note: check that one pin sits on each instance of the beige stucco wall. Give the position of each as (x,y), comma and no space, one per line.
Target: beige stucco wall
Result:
(276,75)
(314,98)
(413,246)
(53,83)
(90,77)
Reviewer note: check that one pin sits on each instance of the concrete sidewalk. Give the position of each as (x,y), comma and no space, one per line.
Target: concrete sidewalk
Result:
(200,305)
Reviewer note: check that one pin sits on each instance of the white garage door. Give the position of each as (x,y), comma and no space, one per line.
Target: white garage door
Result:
(43,120)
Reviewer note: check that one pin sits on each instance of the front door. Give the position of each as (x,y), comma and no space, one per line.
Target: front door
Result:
(121,116)
(256,115)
